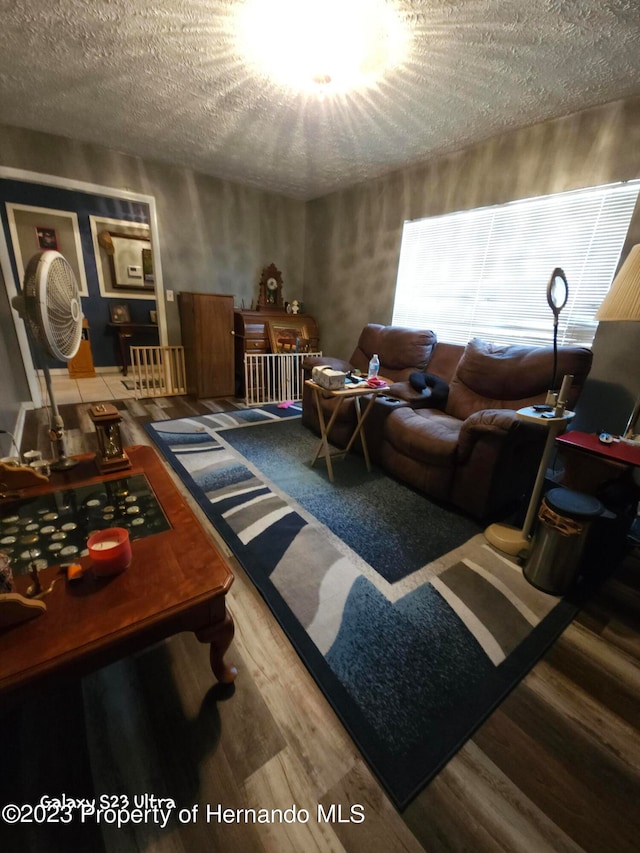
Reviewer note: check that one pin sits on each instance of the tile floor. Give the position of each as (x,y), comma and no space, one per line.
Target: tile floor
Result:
(101,387)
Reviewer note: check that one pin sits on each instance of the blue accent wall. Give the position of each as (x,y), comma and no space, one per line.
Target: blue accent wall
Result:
(104,344)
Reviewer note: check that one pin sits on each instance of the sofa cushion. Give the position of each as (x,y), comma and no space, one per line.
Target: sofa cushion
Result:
(494,376)
(401,351)
(425,435)
(445,358)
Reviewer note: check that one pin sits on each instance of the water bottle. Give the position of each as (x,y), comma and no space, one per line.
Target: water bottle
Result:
(374,367)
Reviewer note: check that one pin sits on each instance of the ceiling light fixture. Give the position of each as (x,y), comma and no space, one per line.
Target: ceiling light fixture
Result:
(310,45)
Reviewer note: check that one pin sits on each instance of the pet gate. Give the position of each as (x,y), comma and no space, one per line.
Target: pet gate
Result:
(273,377)
(158,371)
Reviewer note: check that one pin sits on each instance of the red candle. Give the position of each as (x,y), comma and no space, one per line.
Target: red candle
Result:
(110,550)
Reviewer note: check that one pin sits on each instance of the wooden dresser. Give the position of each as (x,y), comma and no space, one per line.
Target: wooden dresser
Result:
(251,330)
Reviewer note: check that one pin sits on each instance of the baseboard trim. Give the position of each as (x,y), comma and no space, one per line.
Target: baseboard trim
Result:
(18,429)
(113,369)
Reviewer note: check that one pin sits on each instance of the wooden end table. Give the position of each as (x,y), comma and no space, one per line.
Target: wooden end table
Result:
(177,581)
(616,451)
(353,392)
(590,462)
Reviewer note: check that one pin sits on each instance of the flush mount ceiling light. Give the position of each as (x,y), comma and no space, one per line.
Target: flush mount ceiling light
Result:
(309,45)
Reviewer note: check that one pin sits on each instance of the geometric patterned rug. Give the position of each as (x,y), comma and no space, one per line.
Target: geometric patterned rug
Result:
(412,666)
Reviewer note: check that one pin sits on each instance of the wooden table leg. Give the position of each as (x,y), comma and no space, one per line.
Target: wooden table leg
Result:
(219,634)
(122,338)
(359,431)
(325,429)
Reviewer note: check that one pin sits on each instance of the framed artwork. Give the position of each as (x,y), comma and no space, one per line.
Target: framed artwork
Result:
(130,268)
(34,229)
(147,265)
(287,336)
(46,237)
(120,314)
(125,260)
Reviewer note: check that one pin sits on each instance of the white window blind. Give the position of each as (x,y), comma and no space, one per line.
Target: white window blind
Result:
(483,273)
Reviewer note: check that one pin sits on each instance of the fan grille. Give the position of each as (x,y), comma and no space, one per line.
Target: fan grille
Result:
(52,302)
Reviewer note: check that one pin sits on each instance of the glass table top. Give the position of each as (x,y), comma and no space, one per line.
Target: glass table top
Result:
(53,529)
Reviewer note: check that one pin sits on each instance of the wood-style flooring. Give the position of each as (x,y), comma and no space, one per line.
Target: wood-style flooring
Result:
(556,767)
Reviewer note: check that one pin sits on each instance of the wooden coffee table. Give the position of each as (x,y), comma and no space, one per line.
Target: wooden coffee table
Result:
(177,581)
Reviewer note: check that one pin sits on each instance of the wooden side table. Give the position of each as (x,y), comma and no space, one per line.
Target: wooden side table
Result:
(590,462)
(617,451)
(124,332)
(354,392)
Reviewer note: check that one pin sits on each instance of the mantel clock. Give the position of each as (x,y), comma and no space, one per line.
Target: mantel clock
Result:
(270,290)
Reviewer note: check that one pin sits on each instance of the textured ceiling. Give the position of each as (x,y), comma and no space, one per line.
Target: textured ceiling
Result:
(164,80)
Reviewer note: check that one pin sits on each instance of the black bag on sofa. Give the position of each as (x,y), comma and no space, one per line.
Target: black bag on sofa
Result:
(436,390)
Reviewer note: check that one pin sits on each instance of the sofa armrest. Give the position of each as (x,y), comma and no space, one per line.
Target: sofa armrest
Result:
(497,422)
(416,399)
(334,363)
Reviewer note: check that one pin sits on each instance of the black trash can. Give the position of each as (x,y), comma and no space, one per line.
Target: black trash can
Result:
(563,526)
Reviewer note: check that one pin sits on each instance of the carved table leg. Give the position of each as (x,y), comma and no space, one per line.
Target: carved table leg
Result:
(219,634)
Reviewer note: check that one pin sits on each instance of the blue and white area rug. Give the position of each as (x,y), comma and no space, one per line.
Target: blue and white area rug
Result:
(413,626)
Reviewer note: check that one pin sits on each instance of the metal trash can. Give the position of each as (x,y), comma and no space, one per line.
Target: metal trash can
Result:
(563,525)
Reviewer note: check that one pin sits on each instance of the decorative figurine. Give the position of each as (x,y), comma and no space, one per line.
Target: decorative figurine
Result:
(6,574)
(16,608)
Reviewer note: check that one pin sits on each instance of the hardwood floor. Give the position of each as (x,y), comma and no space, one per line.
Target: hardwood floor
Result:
(556,767)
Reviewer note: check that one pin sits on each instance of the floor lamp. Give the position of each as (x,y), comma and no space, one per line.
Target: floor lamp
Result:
(554,416)
(622,303)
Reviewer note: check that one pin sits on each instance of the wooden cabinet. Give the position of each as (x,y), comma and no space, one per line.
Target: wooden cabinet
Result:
(207,337)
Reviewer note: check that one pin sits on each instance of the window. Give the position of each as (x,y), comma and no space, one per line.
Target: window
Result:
(483,273)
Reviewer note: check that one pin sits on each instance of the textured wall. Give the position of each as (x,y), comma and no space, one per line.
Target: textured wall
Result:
(214,236)
(353,236)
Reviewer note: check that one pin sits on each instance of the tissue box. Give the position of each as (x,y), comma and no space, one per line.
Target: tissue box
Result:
(327,378)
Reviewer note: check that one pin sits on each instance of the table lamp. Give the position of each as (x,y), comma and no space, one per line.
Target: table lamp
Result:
(622,302)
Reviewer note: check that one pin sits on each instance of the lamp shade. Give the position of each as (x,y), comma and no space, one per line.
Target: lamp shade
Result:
(622,302)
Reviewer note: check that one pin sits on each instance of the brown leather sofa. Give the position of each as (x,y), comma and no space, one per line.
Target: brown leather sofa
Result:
(474,453)
(401,352)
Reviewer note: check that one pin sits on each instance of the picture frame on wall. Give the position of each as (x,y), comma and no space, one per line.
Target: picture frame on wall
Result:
(129,258)
(35,229)
(46,238)
(287,336)
(120,313)
(147,265)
